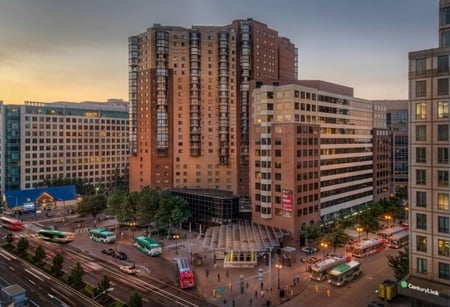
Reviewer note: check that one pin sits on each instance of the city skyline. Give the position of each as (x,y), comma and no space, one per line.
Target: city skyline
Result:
(78,50)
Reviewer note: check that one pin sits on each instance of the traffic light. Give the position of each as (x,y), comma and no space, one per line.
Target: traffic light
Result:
(230,286)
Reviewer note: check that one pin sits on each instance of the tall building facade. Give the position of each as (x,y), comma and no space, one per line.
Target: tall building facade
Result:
(429,171)
(2,152)
(311,154)
(47,141)
(397,122)
(190,98)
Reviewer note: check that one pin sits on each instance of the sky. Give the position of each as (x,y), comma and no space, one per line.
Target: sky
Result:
(77,50)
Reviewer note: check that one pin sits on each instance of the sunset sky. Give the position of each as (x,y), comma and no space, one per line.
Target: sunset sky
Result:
(77,50)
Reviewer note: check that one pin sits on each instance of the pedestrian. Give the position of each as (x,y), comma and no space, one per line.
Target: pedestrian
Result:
(207,273)
(298,278)
(227,274)
(256,293)
(225,302)
(233,302)
(295,281)
(218,277)
(262,285)
(250,302)
(262,293)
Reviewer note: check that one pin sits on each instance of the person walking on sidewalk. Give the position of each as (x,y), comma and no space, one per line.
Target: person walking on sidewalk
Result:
(218,277)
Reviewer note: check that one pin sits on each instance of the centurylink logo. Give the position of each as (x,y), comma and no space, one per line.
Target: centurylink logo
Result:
(405,284)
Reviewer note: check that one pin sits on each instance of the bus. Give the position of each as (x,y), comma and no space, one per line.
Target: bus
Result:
(11,224)
(368,247)
(185,274)
(344,272)
(387,232)
(56,235)
(320,269)
(398,240)
(102,235)
(148,246)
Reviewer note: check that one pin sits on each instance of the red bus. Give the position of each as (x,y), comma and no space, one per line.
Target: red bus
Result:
(11,224)
(185,274)
(368,247)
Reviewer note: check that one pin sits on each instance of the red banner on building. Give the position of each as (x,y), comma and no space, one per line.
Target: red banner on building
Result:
(287,203)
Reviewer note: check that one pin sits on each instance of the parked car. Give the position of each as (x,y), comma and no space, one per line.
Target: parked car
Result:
(108,251)
(119,255)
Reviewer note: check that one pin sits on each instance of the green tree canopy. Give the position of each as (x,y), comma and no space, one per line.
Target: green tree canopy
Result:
(336,237)
(22,247)
(57,265)
(39,255)
(311,233)
(76,277)
(399,264)
(92,204)
(135,300)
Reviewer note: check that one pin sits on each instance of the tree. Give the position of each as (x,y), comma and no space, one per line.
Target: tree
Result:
(369,221)
(103,285)
(57,265)
(22,247)
(311,232)
(181,212)
(9,238)
(399,264)
(39,255)
(336,238)
(114,204)
(147,206)
(76,277)
(92,204)
(135,300)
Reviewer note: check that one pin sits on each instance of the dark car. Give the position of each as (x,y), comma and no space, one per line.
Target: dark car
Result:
(119,255)
(108,251)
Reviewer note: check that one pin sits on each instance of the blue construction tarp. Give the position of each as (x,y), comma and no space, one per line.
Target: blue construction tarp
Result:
(18,198)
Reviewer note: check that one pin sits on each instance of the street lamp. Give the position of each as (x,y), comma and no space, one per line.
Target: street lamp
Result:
(133,226)
(387,218)
(359,229)
(103,292)
(324,245)
(278,266)
(176,237)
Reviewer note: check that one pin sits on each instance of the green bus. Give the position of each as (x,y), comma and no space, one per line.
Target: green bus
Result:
(56,235)
(102,235)
(148,246)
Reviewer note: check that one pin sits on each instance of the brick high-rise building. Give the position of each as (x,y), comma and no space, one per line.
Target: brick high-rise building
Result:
(190,98)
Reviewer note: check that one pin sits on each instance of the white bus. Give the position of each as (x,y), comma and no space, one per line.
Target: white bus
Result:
(398,240)
(320,269)
(368,247)
(387,232)
(102,235)
(343,273)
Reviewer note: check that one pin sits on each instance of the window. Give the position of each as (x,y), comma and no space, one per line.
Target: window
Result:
(442,132)
(443,178)
(421,243)
(421,176)
(442,109)
(421,155)
(443,224)
(444,248)
(442,63)
(421,221)
(442,201)
(444,271)
(421,133)
(442,87)
(421,265)
(443,155)
(421,66)
(445,16)
(421,88)
(421,199)
(421,110)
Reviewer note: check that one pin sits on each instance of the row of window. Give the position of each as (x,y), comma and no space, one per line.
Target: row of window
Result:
(443,268)
(442,178)
(442,110)
(443,223)
(442,133)
(442,155)
(443,246)
(442,87)
(442,199)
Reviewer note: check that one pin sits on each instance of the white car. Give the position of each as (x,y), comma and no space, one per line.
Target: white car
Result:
(129,269)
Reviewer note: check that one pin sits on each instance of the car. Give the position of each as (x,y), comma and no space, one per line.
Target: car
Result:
(309,249)
(108,251)
(119,255)
(129,269)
